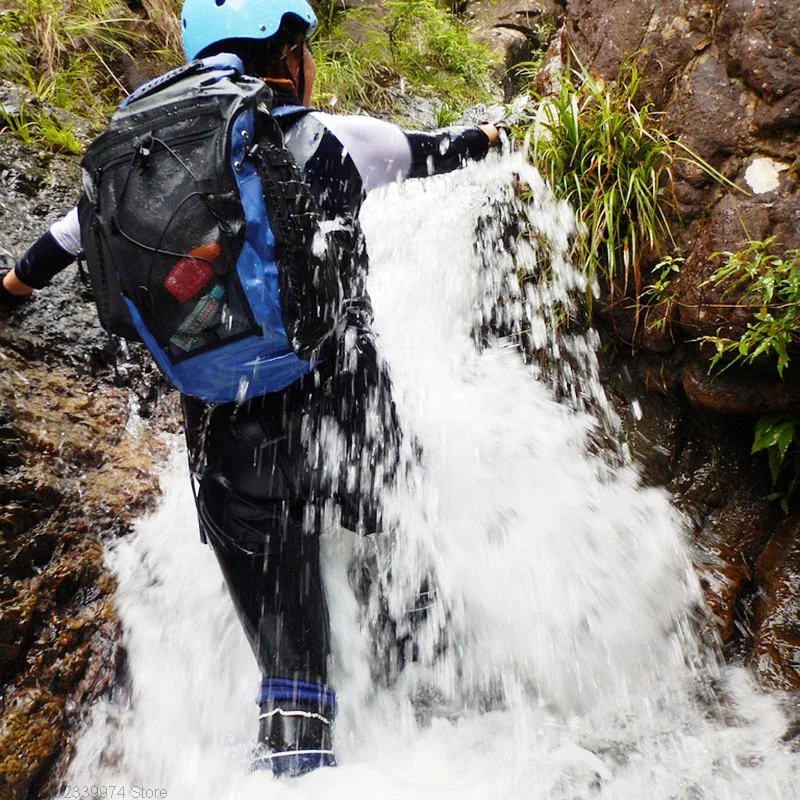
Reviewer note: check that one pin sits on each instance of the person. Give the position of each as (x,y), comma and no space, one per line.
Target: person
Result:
(273,473)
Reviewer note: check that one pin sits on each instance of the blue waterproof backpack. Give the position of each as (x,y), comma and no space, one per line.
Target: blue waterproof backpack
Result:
(202,239)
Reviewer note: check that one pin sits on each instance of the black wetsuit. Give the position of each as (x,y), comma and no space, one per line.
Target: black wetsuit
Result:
(267,491)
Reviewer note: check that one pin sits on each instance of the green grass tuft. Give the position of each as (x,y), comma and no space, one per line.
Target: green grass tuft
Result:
(68,54)
(606,156)
(365,58)
(602,150)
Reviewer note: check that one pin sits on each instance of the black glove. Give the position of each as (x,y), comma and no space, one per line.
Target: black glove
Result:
(7,299)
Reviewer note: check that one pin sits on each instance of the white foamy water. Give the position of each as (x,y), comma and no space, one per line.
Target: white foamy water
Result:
(557,658)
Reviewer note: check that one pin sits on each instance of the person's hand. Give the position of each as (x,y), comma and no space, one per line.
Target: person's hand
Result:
(13,291)
(490,131)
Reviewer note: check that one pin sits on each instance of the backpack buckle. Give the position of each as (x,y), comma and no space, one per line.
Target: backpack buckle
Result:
(143,152)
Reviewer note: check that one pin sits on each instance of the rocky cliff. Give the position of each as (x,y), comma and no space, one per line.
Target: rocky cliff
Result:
(724,78)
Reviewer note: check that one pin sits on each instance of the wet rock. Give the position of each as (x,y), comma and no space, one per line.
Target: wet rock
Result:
(514,28)
(720,110)
(74,471)
(776,652)
(644,328)
(704,460)
(727,77)
(80,476)
(728,81)
(705,308)
(30,729)
(762,42)
(741,391)
(667,33)
(13,98)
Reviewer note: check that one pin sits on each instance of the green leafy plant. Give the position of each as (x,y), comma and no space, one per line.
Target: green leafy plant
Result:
(349,78)
(59,136)
(779,436)
(445,115)
(13,55)
(64,52)
(767,285)
(540,36)
(434,47)
(661,292)
(32,124)
(413,45)
(20,124)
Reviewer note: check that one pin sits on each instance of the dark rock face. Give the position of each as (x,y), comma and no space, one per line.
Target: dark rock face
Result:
(704,460)
(744,548)
(762,43)
(776,650)
(726,76)
(71,475)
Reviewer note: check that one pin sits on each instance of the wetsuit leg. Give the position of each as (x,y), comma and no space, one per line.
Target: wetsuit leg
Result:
(277,591)
(254,516)
(358,400)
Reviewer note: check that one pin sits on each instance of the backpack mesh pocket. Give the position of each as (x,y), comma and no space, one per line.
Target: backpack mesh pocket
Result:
(178,267)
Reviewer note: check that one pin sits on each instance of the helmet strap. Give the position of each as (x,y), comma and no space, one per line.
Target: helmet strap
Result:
(301,80)
(300,47)
(298,83)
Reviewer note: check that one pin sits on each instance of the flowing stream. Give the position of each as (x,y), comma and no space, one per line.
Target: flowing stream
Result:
(558,655)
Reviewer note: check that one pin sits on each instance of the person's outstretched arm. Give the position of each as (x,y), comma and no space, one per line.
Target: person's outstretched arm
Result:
(384,153)
(49,254)
(449,149)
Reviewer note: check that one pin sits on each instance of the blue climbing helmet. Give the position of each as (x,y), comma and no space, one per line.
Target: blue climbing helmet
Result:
(206,22)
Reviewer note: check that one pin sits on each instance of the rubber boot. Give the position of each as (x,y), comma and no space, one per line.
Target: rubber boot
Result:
(294,734)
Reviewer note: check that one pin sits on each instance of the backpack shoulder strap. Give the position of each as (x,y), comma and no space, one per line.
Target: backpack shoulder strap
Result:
(223,65)
(289,114)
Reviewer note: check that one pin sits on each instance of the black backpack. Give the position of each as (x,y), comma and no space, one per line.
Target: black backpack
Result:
(202,238)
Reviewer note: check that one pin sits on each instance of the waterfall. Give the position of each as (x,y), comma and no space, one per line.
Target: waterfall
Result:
(557,648)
